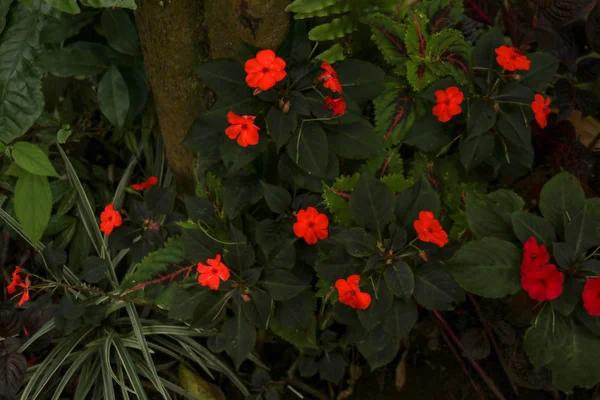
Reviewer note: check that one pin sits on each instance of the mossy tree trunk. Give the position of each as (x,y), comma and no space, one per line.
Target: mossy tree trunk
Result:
(176,35)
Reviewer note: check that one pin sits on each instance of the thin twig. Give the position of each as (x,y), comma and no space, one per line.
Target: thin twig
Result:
(486,378)
(463,366)
(494,344)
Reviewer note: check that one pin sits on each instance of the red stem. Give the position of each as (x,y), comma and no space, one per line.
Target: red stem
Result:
(162,278)
(489,382)
(479,12)
(463,366)
(340,193)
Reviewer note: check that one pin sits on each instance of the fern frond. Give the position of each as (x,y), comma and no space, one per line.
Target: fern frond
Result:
(332,54)
(337,8)
(337,28)
(309,6)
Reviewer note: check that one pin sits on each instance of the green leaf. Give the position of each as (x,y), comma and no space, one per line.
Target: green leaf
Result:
(238,193)
(270,234)
(309,149)
(568,299)
(32,159)
(419,75)
(110,3)
(21,97)
(399,278)
(331,271)
(394,111)
(447,54)
(94,269)
(226,78)
(400,319)
(338,27)
(278,199)
(372,204)
(283,285)
(120,32)
(513,127)
(4,9)
(388,35)
(419,197)
(576,362)
(488,267)
(560,200)
(482,118)
(435,289)
(357,242)
(490,215)
(258,309)
(72,62)
(309,6)
(484,55)
(428,134)
(515,92)
(240,337)
(281,125)
(185,301)
(361,81)
(441,13)
(357,141)
(301,338)
(335,53)
(543,68)
(58,30)
(68,6)
(332,367)
(527,225)
(209,307)
(581,231)
(238,256)
(236,157)
(474,150)
(33,204)
(113,97)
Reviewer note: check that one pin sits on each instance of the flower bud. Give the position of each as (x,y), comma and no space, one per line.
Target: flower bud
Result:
(247,298)
(256,92)
(423,255)
(286,107)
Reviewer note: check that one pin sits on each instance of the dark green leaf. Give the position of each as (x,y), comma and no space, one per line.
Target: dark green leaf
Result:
(428,134)
(564,254)
(199,246)
(357,242)
(332,271)
(205,137)
(361,81)
(281,125)
(332,367)
(357,141)
(401,319)
(488,267)
(300,337)
(543,68)
(515,92)
(185,301)
(238,193)
(283,255)
(236,157)
(227,78)
(270,234)
(435,288)
(58,30)
(283,285)
(560,200)
(527,225)
(484,55)
(296,312)
(240,338)
(419,197)
(545,336)
(309,149)
(69,309)
(94,269)
(159,200)
(210,306)
(581,231)
(13,367)
(72,62)
(258,309)
(372,204)
(278,199)
(33,215)
(475,344)
(200,209)
(490,215)
(240,255)
(568,299)
(113,97)
(399,278)
(482,118)
(120,32)
(474,150)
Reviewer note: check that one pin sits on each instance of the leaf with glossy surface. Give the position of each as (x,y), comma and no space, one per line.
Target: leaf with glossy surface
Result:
(120,32)
(399,278)
(372,204)
(32,159)
(435,289)
(490,215)
(527,225)
(489,267)
(560,200)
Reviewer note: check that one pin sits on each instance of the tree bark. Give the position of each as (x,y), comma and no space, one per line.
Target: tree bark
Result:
(176,35)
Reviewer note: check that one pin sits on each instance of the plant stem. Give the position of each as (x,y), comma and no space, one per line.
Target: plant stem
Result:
(489,381)
(308,389)
(463,366)
(494,343)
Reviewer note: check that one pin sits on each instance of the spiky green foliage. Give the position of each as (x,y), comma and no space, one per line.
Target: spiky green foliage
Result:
(335,201)
(394,111)
(346,16)
(397,182)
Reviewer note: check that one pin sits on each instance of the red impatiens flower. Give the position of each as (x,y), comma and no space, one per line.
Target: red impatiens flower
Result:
(337,106)
(243,129)
(541,109)
(330,78)
(265,70)
(512,59)
(349,293)
(212,274)
(145,185)
(534,256)
(430,230)
(16,279)
(311,225)
(591,296)
(543,283)
(110,219)
(17,282)
(448,103)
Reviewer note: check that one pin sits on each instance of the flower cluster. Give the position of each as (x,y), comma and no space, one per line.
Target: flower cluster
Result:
(330,81)
(430,230)
(17,281)
(447,103)
(145,185)
(212,274)
(349,293)
(541,280)
(110,219)
(311,225)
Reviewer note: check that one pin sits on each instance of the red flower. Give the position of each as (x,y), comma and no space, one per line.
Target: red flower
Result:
(145,185)
(541,109)
(512,59)
(16,282)
(591,296)
(265,70)
(16,279)
(110,219)
(330,78)
(31,362)
(311,225)
(243,129)
(543,283)
(430,230)
(338,106)
(212,274)
(448,103)
(350,294)
(534,256)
